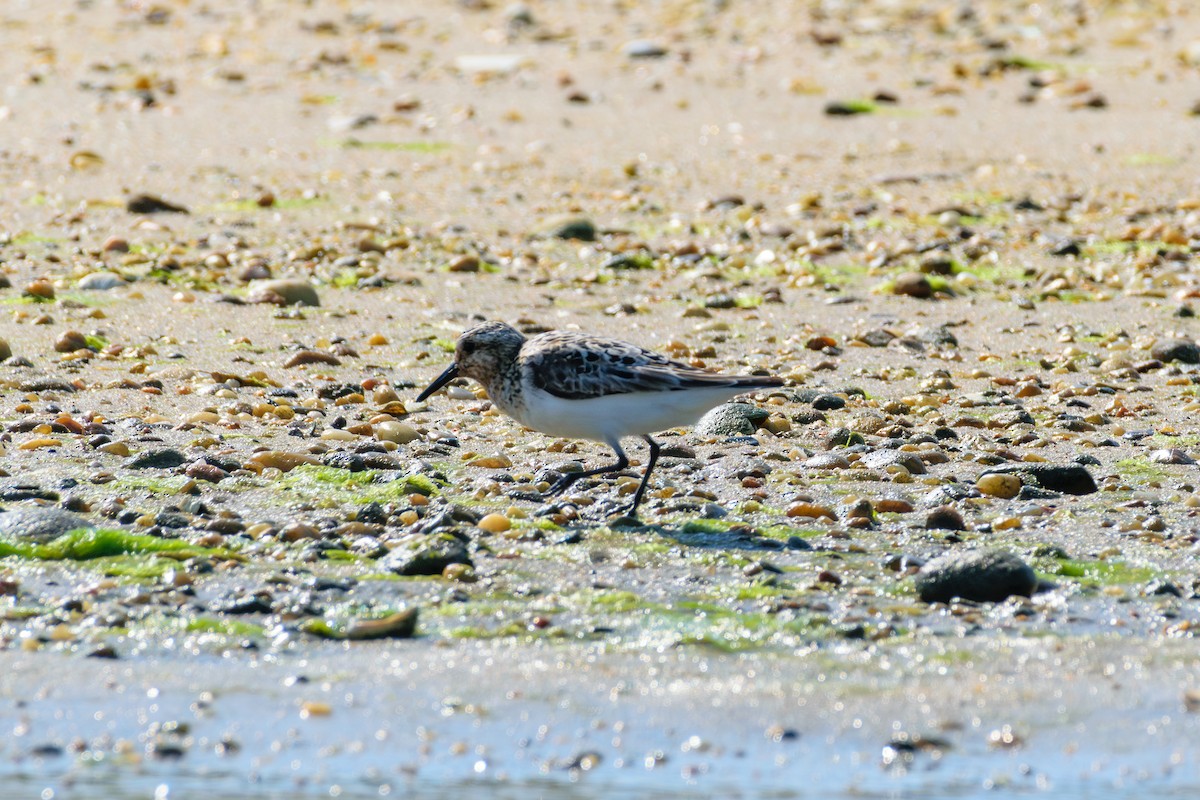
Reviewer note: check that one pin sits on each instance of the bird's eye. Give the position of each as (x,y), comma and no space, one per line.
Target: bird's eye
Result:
(466,348)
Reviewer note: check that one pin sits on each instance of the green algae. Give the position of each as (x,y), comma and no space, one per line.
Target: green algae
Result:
(1098,573)
(332,485)
(87,544)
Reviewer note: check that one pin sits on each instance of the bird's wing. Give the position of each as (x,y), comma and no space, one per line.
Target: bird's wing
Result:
(578,367)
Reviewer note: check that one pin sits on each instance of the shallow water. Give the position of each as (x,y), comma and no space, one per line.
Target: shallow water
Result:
(412,721)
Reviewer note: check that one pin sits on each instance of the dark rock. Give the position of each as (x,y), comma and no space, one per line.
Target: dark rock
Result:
(580,228)
(945,518)
(427,555)
(23,492)
(828,402)
(251,604)
(40,524)
(882,459)
(166,458)
(913,284)
(1066,247)
(1068,479)
(150,204)
(341,460)
(877,337)
(1184,351)
(986,576)
(731,419)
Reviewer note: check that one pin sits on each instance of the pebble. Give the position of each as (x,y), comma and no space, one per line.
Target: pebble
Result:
(495,523)
(5,350)
(305,357)
(426,554)
(282,461)
(1184,351)
(101,281)
(401,625)
(70,341)
(398,432)
(912,284)
(1068,479)
(284,292)
(1171,455)
(39,523)
(975,575)
(152,204)
(945,518)
(644,48)
(827,461)
(578,228)
(166,458)
(999,485)
(731,419)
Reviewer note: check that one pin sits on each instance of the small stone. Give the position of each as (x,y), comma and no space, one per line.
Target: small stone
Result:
(805,509)
(70,341)
(39,523)
(644,48)
(166,458)
(731,419)
(1171,455)
(882,459)
(1184,351)
(100,282)
(204,471)
(579,228)
(401,625)
(284,462)
(426,555)
(151,204)
(491,462)
(465,263)
(495,523)
(1068,479)
(312,357)
(398,432)
(5,350)
(827,461)
(41,289)
(945,518)
(986,576)
(284,292)
(913,284)
(999,485)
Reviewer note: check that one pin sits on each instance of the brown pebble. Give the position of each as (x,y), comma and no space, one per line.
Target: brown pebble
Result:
(913,284)
(202,470)
(312,357)
(465,263)
(945,518)
(70,341)
(40,288)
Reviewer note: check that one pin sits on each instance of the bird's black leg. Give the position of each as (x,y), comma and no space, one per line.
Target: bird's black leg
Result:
(641,490)
(566,481)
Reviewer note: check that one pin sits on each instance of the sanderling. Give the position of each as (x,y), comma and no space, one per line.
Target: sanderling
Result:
(576,386)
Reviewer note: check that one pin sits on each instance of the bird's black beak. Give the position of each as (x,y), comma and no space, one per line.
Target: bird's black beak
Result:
(441,380)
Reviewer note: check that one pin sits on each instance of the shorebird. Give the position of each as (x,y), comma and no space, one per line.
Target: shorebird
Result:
(575,386)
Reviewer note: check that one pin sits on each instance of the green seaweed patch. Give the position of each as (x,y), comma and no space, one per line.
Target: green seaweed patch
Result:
(420,146)
(224,627)
(1141,469)
(170,484)
(1017,61)
(709,526)
(1151,160)
(342,485)
(86,544)
(1098,573)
